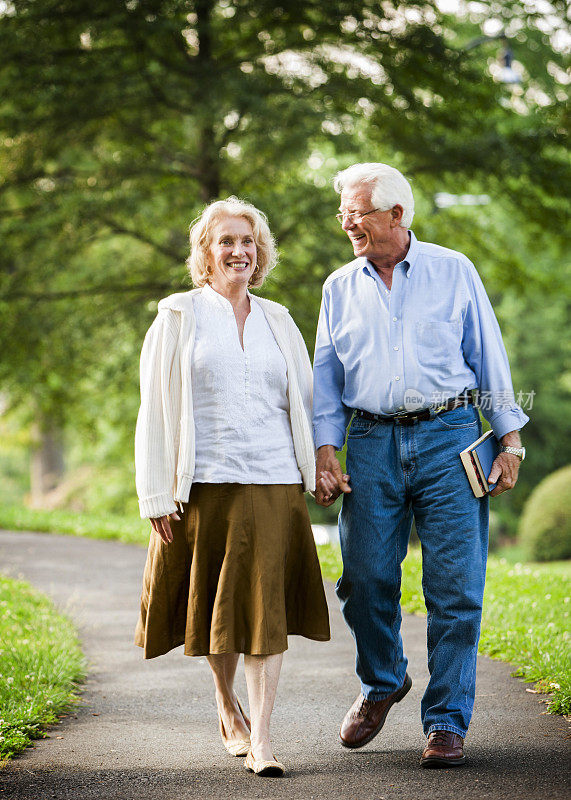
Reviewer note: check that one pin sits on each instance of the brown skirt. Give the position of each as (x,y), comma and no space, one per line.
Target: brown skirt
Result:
(240,574)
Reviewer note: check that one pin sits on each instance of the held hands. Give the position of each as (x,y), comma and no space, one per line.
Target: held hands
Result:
(330,481)
(506,466)
(162,526)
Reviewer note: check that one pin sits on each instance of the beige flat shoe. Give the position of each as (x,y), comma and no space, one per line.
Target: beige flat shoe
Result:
(266,769)
(236,747)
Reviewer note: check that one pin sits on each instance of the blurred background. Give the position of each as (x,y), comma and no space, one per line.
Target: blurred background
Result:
(120,120)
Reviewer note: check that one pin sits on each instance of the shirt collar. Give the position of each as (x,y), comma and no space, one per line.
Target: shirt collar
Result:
(412,255)
(216,299)
(409,261)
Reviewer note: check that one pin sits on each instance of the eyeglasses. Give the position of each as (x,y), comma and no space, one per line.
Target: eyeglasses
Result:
(355,216)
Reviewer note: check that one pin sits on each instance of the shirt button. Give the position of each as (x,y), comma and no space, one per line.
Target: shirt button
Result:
(395,348)
(395,319)
(397,377)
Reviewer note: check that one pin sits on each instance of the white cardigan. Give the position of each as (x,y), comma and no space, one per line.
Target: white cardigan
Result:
(164,437)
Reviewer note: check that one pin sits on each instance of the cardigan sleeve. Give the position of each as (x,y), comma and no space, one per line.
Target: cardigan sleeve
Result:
(156,433)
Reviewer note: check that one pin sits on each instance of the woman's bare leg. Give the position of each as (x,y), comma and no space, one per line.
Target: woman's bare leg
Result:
(262,675)
(223,668)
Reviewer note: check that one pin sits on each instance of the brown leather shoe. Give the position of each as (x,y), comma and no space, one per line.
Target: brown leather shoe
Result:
(365,718)
(444,749)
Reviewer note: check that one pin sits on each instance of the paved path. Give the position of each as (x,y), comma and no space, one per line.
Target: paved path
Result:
(148,730)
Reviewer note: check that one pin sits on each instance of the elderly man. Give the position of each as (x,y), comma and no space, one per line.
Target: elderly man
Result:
(406,341)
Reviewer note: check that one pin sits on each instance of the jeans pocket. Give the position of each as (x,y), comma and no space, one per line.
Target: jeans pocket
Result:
(458,418)
(361,427)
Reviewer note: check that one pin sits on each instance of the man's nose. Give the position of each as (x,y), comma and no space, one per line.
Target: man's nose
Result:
(347,223)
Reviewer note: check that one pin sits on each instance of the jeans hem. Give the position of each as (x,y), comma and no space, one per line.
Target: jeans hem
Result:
(439,726)
(375,697)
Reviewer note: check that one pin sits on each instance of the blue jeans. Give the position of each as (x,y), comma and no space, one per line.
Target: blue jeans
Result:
(396,472)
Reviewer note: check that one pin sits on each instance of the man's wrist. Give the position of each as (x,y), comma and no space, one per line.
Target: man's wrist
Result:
(514,451)
(511,439)
(511,443)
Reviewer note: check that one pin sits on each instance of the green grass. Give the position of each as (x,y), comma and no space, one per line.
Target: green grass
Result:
(526,622)
(40,665)
(525,619)
(131,530)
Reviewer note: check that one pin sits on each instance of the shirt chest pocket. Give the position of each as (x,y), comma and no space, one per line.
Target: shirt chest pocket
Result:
(438,343)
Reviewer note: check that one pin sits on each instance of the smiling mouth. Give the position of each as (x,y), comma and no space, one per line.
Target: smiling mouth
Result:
(357,238)
(239,266)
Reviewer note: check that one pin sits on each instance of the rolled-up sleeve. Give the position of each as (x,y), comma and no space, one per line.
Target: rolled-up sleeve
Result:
(485,353)
(330,415)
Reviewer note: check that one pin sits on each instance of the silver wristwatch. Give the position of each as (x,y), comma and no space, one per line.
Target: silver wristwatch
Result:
(515,451)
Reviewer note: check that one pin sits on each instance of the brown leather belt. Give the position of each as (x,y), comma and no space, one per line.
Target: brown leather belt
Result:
(410,417)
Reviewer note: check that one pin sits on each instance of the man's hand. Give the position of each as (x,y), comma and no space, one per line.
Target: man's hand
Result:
(330,481)
(162,526)
(506,466)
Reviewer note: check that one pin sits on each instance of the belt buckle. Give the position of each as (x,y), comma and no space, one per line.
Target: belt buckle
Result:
(404,418)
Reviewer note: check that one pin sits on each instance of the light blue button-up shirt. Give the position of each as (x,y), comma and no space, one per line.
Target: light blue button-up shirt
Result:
(433,334)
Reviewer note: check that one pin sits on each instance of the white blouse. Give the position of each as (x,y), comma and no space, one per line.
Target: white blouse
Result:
(241,410)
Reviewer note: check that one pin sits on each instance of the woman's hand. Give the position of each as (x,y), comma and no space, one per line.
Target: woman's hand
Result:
(162,526)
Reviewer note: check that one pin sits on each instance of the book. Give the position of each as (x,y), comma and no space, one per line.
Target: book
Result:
(478,459)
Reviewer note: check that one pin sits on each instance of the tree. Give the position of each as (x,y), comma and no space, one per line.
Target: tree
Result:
(121,120)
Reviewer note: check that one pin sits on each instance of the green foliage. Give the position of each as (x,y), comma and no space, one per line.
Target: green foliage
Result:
(526,622)
(118,121)
(14,468)
(131,530)
(545,523)
(41,664)
(540,357)
(521,623)
(320,515)
(121,120)
(330,560)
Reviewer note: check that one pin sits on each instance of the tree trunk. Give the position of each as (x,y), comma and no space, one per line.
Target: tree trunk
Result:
(209,163)
(47,462)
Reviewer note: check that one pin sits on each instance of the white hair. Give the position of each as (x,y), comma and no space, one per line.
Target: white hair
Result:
(389,187)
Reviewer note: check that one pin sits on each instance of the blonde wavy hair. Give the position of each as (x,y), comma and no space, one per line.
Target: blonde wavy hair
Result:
(201,238)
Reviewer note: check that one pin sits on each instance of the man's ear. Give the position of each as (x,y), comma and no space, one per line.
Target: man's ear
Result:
(396,215)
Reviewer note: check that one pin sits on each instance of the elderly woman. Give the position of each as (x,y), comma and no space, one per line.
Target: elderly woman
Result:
(224,432)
